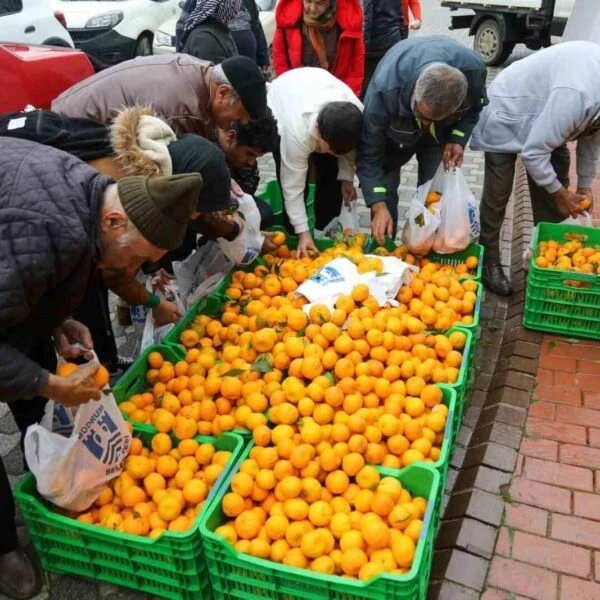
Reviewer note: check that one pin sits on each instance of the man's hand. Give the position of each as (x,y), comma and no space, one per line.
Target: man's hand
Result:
(162,278)
(166,312)
(567,203)
(268,246)
(69,333)
(236,190)
(306,245)
(416,24)
(381,222)
(452,156)
(75,389)
(348,192)
(587,193)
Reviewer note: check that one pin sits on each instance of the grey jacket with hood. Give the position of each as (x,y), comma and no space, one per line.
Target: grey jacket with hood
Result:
(541,102)
(388,115)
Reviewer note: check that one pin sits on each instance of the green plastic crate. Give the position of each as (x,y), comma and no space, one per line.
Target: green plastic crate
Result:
(446,259)
(133,381)
(552,306)
(237,575)
(273,197)
(171,566)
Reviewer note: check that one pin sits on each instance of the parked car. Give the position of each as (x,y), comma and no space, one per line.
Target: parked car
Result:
(33,22)
(164,38)
(115,30)
(499,25)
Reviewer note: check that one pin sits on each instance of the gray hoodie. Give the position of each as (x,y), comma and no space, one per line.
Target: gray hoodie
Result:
(541,102)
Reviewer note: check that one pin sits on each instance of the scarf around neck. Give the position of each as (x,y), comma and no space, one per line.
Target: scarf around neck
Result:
(313,31)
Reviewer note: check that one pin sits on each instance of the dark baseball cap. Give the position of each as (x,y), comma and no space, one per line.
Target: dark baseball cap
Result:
(249,83)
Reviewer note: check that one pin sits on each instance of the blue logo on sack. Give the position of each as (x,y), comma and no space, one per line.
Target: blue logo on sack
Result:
(474,219)
(326,276)
(105,451)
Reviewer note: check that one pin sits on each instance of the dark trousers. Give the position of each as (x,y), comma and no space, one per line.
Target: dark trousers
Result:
(429,156)
(328,190)
(25,413)
(497,189)
(245,42)
(371,62)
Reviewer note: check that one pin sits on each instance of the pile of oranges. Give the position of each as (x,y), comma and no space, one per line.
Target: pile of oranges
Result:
(572,255)
(288,505)
(162,488)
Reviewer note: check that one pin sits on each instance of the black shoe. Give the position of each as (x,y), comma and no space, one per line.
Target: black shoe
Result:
(123,316)
(19,577)
(495,280)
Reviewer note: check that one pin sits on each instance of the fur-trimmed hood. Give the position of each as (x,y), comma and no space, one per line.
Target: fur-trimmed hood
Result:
(140,139)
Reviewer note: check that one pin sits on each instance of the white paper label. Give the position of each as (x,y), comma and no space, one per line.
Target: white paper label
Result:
(16,123)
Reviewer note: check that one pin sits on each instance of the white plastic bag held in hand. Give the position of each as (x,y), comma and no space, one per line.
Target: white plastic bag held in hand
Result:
(454,233)
(345,223)
(248,244)
(72,471)
(422,221)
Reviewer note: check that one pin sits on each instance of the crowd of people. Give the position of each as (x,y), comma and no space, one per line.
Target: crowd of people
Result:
(133,167)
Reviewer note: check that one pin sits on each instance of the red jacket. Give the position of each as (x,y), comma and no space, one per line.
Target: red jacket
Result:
(415,9)
(349,60)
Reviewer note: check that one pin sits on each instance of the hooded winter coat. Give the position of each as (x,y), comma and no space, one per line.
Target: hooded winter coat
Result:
(288,41)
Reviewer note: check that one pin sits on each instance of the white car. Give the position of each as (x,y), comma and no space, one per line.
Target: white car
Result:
(115,30)
(164,38)
(33,22)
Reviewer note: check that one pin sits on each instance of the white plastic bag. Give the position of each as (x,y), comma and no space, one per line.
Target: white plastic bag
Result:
(345,223)
(201,272)
(72,471)
(340,275)
(248,244)
(454,233)
(423,218)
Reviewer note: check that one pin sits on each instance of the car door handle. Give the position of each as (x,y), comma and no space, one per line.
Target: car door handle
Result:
(29,29)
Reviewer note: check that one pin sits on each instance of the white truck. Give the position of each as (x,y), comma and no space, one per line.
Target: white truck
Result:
(498,25)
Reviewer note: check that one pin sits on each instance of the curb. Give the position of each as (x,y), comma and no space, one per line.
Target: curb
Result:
(493,425)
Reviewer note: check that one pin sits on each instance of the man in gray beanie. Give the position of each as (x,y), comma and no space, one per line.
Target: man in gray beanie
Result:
(60,222)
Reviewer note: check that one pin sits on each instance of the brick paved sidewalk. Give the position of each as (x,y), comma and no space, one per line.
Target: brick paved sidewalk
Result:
(549,544)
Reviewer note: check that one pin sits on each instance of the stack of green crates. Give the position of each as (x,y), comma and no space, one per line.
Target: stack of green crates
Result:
(171,566)
(553,303)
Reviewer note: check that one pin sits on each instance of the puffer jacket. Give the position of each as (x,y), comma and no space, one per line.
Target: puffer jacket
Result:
(382,25)
(288,41)
(177,86)
(49,206)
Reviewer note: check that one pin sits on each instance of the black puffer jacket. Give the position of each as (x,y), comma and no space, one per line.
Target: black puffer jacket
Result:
(49,206)
(382,25)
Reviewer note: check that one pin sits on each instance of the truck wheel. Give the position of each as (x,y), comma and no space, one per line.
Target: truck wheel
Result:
(489,42)
(143,46)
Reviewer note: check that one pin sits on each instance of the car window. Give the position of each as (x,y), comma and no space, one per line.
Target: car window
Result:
(8,7)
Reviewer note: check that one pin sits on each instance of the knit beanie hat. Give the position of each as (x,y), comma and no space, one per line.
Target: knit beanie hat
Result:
(160,207)
(249,83)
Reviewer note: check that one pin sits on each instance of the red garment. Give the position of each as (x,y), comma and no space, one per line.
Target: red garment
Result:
(415,9)
(350,55)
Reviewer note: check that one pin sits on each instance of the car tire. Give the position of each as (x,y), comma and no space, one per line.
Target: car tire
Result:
(143,46)
(490,44)
(58,42)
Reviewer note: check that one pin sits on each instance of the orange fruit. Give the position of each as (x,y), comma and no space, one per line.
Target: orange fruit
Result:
(247,524)
(352,561)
